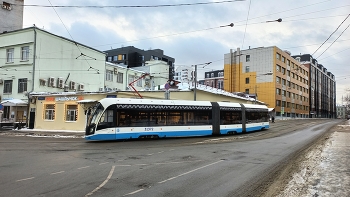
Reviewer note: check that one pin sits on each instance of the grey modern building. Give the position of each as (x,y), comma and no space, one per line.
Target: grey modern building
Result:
(322,89)
(11,15)
(134,57)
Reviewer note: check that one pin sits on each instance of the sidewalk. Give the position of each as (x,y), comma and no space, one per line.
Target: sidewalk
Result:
(326,171)
(42,133)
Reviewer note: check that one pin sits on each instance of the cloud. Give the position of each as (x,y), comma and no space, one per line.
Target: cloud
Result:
(304,27)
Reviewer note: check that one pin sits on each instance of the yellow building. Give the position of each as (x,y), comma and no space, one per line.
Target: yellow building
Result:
(273,76)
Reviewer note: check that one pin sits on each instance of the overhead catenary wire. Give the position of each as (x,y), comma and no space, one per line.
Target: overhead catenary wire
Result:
(130,6)
(333,41)
(331,34)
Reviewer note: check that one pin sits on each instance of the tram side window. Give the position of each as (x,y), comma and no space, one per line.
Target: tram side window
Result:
(257,116)
(202,117)
(106,120)
(230,117)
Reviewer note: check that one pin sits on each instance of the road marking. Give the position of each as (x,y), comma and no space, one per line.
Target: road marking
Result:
(83,167)
(103,163)
(25,179)
(160,152)
(104,182)
(175,162)
(122,165)
(57,172)
(134,192)
(141,164)
(190,171)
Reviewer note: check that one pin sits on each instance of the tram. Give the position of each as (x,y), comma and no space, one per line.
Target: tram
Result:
(122,118)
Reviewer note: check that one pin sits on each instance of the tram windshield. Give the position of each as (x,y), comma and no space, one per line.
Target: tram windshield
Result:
(96,111)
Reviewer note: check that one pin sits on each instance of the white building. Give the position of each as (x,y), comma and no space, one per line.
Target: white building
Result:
(39,61)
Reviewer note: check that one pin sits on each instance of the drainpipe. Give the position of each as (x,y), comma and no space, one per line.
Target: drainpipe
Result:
(33,75)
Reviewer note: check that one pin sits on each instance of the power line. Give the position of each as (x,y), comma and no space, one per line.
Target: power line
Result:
(333,41)
(130,6)
(331,34)
(245,29)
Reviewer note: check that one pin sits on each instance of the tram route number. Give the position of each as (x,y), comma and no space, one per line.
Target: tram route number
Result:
(149,129)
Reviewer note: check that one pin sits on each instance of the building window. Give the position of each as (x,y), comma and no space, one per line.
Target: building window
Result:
(247,58)
(278,103)
(71,113)
(283,59)
(278,68)
(221,74)
(49,112)
(278,56)
(247,91)
(288,62)
(9,55)
(109,75)
(130,79)
(278,80)
(25,53)
(247,80)
(207,75)
(283,103)
(278,91)
(284,71)
(120,78)
(139,82)
(22,85)
(121,57)
(7,86)
(115,58)
(283,82)
(247,69)
(212,75)
(109,58)
(283,93)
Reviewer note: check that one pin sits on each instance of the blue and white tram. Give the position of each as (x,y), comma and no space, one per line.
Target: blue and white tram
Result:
(121,118)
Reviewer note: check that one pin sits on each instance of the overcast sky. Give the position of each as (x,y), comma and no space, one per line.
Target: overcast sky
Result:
(192,34)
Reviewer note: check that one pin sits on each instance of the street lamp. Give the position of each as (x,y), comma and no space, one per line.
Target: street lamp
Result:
(195,79)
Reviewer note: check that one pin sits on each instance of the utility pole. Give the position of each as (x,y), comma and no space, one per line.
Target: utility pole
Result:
(255,94)
(195,83)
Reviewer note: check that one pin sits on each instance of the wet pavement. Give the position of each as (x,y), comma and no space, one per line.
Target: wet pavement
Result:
(324,172)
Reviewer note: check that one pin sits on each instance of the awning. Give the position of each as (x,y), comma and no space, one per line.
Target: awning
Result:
(86,101)
(14,102)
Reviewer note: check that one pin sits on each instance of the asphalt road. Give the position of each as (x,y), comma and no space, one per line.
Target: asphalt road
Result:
(234,165)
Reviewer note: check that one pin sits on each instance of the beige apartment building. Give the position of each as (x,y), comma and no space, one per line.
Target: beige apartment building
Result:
(273,76)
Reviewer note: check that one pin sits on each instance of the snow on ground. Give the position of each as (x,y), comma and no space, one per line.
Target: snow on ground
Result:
(326,172)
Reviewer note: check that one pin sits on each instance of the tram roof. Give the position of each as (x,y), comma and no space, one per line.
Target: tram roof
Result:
(110,101)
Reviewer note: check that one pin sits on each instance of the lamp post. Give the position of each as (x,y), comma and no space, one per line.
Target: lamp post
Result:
(195,79)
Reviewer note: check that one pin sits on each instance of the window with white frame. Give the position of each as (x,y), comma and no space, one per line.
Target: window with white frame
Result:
(130,78)
(22,85)
(7,86)
(221,74)
(109,58)
(212,75)
(115,58)
(25,53)
(71,112)
(120,78)
(109,75)
(247,69)
(49,111)
(9,55)
(207,75)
